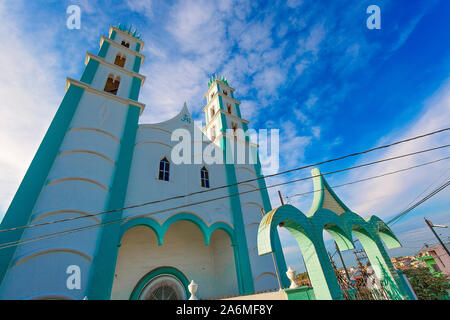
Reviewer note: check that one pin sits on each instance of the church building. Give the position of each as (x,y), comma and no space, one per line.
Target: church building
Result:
(105,212)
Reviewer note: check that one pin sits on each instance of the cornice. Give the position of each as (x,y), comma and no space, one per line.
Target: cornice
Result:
(113,66)
(221,134)
(225,113)
(221,83)
(223,96)
(126,34)
(125,101)
(128,50)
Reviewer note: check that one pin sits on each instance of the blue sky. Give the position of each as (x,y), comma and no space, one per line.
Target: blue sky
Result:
(311,69)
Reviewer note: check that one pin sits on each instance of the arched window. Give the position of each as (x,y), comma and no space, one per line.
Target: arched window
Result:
(234,127)
(225,92)
(213,133)
(164,169)
(112,84)
(120,60)
(125,44)
(213,112)
(204,177)
(229,107)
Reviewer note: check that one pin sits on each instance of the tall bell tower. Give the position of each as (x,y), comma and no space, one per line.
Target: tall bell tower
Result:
(222,111)
(81,167)
(227,129)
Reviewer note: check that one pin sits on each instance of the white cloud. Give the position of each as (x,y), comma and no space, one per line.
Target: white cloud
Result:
(197,26)
(310,103)
(256,37)
(269,80)
(294,3)
(384,197)
(316,131)
(141,6)
(31,89)
(313,41)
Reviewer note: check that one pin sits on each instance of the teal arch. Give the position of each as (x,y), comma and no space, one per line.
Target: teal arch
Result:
(158,272)
(308,231)
(367,234)
(356,222)
(385,233)
(318,265)
(328,220)
(160,231)
(381,264)
(187,217)
(142,221)
(320,184)
(224,227)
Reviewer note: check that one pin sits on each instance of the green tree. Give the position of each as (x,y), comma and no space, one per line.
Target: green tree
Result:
(302,276)
(426,285)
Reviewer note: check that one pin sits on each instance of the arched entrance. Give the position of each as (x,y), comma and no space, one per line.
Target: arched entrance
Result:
(165,283)
(183,243)
(376,254)
(329,214)
(317,263)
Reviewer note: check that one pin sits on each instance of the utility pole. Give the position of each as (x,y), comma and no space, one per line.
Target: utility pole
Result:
(281,197)
(360,255)
(431,226)
(273,258)
(342,260)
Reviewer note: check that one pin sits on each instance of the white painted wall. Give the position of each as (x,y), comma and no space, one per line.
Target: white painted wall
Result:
(41,265)
(212,267)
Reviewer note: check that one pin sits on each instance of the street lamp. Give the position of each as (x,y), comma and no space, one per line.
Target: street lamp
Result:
(431,225)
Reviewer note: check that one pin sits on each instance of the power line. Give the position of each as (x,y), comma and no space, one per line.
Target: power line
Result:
(369,178)
(244,181)
(426,189)
(13,243)
(415,205)
(157,201)
(428,196)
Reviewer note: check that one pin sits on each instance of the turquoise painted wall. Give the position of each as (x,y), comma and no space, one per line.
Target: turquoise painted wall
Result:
(104,263)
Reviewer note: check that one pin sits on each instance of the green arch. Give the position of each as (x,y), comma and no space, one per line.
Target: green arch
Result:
(328,220)
(158,272)
(308,231)
(185,216)
(160,231)
(385,233)
(142,221)
(318,265)
(225,227)
(367,234)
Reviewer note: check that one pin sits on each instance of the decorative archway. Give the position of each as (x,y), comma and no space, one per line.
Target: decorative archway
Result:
(216,241)
(317,264)
(329,213)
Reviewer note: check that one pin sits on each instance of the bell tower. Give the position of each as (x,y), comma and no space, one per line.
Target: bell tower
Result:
(227,129)
(81,167)
(222,111)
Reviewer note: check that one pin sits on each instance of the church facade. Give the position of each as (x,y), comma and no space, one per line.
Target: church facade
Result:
(101,199)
